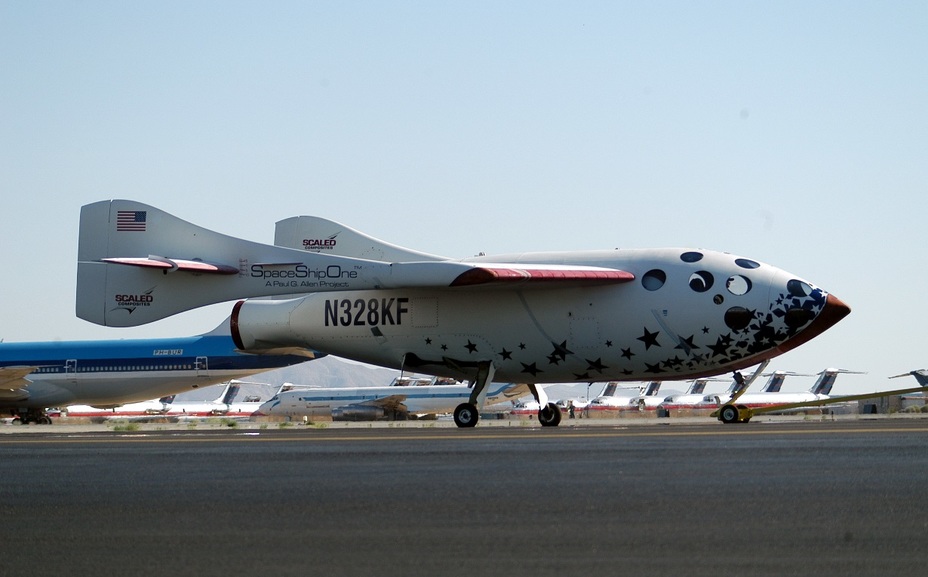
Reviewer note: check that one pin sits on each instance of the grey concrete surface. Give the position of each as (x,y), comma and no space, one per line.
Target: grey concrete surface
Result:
(795,497)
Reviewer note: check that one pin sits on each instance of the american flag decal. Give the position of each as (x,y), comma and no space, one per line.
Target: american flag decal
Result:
(131,220)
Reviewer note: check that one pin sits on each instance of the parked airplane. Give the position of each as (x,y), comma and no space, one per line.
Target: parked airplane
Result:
(37,375)
(693,395)
(536,318)
(610,400)
(736,412)
(227,403)
(150,408)
(375,403)
(819,390)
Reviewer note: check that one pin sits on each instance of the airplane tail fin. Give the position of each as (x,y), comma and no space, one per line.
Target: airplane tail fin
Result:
(320,235)
(652,388)
(826,380)
(698,387)
(229,394)
(138,264)
(921,375)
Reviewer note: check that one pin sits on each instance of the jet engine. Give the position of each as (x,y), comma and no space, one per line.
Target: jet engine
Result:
(358,413)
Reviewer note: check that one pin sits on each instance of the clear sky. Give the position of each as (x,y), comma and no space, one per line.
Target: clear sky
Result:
(795,133)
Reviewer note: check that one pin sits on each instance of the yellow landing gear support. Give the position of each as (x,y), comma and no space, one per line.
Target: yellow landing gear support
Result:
(732,413)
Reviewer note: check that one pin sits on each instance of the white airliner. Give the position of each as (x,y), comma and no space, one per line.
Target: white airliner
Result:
(693,395)
(536,318)
(820,390)
(37,375)
(150,408)
(375,403)
(611,400)
(226,404)
(696,398)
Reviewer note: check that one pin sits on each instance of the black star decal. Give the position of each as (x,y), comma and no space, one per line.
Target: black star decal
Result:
(719,348)
(444,347)
(560,350)
(428,341)
(649,339)
(627,353)
(596,365)
(609,344)
(531,369)
(705,330)
(521,346)
(471,347)
(653,368)
(582,377)
(507,355)
(687,344)
(553,359)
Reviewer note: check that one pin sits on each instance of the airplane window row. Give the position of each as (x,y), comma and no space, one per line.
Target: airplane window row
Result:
(117,369)
(700,281)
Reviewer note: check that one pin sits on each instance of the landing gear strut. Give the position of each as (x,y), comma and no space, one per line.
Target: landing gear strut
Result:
(467,414)
(38,416)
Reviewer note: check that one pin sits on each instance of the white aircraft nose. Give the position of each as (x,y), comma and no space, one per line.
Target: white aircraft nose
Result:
(834,310)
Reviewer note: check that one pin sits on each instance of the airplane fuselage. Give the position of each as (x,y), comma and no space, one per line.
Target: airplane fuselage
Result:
(114,372)
(372,401)
(687,314)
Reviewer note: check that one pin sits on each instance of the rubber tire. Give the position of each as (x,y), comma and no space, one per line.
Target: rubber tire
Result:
(466,415)
(728,414)
(549,415)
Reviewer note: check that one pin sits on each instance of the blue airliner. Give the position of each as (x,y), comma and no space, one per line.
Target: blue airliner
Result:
(35,376)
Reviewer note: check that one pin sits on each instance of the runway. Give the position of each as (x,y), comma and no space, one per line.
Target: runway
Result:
(766,498)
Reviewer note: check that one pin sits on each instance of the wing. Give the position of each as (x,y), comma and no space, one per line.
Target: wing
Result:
(13,383)
(392,403)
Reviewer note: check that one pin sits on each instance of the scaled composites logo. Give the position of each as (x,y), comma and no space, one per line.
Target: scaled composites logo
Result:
(129,303)
(318,244)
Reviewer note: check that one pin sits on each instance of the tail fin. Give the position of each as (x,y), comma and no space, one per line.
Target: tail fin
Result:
(231,391)
(138,264)
(826,380)
(320,235)
(698,387)
(921,375)
(651,389)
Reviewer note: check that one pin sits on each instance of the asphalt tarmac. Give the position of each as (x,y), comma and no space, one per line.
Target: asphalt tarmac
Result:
(766,498)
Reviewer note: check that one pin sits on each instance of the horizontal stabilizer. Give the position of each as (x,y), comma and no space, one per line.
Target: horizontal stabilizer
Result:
(171,265)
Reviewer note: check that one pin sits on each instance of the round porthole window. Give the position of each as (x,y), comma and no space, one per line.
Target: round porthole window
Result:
(797,288)
(738,285)
(746,263)
(738,318)
(797,317)
(701,281)
(654,279)
(691,256)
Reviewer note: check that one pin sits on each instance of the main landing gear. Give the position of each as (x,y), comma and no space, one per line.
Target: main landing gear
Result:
(467,414)
(38,416)
(729,414)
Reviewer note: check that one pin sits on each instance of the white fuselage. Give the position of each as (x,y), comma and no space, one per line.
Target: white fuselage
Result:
(433,399)
(687,314)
